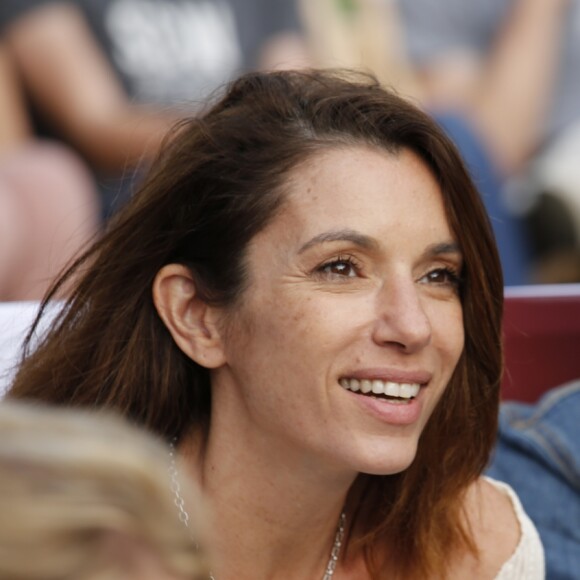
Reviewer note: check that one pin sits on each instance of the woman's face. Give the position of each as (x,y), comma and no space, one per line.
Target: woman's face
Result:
(351,326)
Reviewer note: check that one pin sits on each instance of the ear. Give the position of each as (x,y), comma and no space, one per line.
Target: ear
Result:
(191,322)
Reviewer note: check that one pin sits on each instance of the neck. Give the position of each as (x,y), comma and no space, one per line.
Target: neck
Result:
(274,511)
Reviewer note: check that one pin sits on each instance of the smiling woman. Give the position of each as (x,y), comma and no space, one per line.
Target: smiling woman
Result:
(307,296)
(368,305)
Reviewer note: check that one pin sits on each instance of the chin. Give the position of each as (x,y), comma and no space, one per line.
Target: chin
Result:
(387,469)
(388,461)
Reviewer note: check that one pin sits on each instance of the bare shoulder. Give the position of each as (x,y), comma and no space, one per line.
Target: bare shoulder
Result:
(494,523)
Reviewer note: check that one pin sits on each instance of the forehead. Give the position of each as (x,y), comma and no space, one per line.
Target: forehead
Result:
(367,188)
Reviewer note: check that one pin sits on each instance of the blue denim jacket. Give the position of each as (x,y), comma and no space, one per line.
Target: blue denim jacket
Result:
(538,454)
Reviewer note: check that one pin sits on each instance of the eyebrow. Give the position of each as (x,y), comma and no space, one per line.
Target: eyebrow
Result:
(341,236)
(443,248)
(367,242)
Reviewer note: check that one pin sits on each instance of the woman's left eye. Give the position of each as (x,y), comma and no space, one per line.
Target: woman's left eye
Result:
(442,277)
(343,267)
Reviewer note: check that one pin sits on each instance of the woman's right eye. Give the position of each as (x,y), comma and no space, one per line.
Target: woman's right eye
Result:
(341,267)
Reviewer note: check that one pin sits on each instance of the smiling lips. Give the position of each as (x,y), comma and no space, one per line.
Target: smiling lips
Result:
(394,392)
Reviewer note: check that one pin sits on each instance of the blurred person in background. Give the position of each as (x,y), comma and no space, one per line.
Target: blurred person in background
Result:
(513,67)
(110,76)
(48,203)
(494,108)
(88,496)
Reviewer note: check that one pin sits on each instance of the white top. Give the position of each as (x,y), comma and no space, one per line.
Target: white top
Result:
(527,561)
(16,319)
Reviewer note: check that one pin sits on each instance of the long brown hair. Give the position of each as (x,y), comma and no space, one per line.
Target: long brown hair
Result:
(218,182)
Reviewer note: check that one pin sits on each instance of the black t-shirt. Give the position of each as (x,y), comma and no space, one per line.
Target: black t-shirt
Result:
(168,51)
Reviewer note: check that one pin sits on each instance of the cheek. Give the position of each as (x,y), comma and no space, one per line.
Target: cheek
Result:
(456,341)
(293,327)
(266,333)
(449,333)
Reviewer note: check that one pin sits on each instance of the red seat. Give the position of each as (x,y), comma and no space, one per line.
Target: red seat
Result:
(542,339)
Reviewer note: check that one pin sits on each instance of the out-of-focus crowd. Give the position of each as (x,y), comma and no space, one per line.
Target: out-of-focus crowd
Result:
(90,88)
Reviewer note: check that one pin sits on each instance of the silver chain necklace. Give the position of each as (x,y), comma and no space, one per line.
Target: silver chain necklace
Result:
(184,517)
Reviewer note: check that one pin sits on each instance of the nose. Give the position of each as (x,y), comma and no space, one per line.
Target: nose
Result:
(401,317)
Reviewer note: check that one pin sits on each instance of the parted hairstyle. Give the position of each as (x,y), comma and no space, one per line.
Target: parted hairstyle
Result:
(220,178)
(85,495)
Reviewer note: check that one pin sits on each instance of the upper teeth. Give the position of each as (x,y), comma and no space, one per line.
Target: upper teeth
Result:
(377,387)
